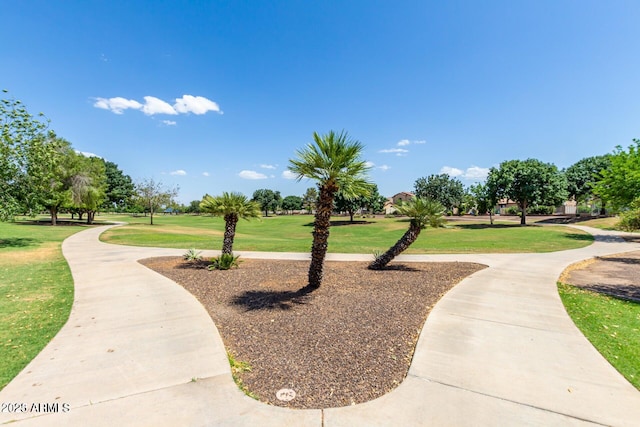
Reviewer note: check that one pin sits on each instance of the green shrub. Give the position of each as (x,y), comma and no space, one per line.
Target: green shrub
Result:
(224,262)
(192,255)
(540,210)
(513,210)
(630,220)
(584,209)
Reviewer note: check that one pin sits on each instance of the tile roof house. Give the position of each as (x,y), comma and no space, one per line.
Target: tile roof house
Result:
(404,196)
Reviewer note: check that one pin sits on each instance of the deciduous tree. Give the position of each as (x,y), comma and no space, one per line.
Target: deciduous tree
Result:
(528,183)
(269,200)
(153,194)
(20,132)
(484,199)
(583,175)
(310,199)
(292,203)
(120,189)
(442,188)
(620,183)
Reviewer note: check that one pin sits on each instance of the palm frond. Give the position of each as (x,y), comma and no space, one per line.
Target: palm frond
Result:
(424,212)
(333,157)
(231,203)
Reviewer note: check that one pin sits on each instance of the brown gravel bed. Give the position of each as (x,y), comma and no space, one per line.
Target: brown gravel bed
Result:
(616,275)
(348,342)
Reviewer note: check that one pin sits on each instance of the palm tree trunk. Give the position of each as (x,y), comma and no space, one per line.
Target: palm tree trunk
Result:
(230,221)
(401,245)
(321,234)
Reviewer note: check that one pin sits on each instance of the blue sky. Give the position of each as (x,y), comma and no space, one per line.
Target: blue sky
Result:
(217,96)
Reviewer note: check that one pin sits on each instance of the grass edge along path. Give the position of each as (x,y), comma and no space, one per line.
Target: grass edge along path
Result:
(36,292)
(612,325)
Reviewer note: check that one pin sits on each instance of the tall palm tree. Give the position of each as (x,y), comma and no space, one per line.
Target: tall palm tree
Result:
(333,160)
(422,212)
(231,206)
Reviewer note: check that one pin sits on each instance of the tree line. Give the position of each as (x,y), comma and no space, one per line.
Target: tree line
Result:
(611,181)
(40,171)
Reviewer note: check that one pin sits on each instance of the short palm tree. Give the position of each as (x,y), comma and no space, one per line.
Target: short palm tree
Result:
(231,206)
(333,160)
(422,212)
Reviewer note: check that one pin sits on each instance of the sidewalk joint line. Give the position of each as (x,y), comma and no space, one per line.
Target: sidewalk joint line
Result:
(507,324)
(508,400)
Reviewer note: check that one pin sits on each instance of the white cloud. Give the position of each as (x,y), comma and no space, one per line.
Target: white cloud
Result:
(179,172)
(473,173)
(289,175)
(155,105)
(251,175)
(422,141)
(87,154)
(195,104)
(384,168)
(187,104)
(205,173)
(403,142)
(117,105)
(369,164)
(451,171)
(169,122)
(398,151)
(477,173)
(267,166)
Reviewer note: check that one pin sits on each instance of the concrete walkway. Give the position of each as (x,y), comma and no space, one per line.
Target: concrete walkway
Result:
(498,349)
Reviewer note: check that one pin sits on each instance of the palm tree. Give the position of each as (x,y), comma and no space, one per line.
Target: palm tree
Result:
(232,206)
(334,162)
(423,212)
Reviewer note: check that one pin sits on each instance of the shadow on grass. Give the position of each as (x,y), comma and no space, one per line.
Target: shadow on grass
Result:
(343,222)
(60,222)
(494,226)
(18,242)
(273,300)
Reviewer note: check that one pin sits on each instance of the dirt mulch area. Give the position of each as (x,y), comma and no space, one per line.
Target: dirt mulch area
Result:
(347,342)
(615,275)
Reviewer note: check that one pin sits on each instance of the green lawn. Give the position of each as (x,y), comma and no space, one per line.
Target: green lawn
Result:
(293,234)
(37,288)
(36,292)
(608,223)
(612,325)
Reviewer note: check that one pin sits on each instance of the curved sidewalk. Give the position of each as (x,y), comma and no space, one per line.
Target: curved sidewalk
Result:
(498,349)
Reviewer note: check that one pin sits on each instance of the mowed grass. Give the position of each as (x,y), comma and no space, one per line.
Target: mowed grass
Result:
(293,234)
(36,292)
(611,324)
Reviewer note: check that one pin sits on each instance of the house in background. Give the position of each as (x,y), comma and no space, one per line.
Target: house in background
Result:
(389,206)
